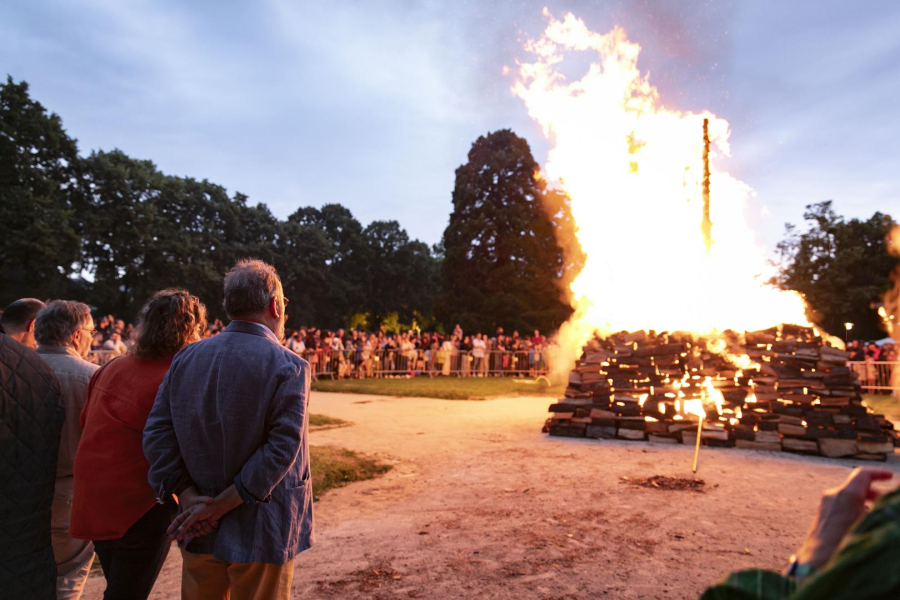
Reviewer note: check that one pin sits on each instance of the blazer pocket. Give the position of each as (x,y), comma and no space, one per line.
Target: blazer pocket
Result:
(296,508)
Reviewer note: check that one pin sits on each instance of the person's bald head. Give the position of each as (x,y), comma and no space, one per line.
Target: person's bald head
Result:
(18,320)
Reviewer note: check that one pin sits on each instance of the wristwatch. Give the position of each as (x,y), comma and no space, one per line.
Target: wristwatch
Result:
(799,570)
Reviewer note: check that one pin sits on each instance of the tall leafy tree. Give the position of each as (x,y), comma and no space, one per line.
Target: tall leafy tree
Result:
(841,266)
(346,289)
(502,263)
(403,273)
(39,229)
(119,228)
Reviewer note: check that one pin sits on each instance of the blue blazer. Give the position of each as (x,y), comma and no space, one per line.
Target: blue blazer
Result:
(234,409)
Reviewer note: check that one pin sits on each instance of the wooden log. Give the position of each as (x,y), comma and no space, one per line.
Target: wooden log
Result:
(837,448)
(635,423)
(662,439)
(788,429)
(768,437)
(873,457)
(768,446)
(598,413)
(714,434)
(574,430)
(600,432)
(682,426)
(657,427)
(800,446)
(630,434)
(876,447)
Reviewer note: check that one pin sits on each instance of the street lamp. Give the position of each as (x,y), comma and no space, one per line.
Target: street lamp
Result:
(847,328)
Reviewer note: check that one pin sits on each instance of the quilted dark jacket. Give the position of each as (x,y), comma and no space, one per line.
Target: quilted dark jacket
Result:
(31,417)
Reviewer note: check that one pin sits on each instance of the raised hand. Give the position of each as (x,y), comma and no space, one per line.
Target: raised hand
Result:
(841,507)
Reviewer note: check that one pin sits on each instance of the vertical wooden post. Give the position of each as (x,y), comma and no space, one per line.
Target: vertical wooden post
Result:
(706,225)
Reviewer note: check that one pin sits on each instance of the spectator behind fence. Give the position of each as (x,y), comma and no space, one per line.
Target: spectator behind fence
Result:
(115,344)
(63,330)
(33,413)
(231,421)
(114,505)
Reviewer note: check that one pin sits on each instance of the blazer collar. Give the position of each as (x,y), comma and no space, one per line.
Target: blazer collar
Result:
(251,328)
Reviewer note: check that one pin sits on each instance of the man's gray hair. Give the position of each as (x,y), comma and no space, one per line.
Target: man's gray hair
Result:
(59,320)
(249,286)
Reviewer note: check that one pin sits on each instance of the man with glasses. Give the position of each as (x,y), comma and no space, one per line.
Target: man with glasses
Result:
(64,330)
(230,423)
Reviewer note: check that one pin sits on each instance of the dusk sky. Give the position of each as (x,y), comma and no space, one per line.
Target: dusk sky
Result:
(374,104)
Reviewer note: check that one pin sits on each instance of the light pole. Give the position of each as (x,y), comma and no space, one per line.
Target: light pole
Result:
(847,328)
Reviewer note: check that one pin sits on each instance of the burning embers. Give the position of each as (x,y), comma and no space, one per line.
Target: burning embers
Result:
(791,392)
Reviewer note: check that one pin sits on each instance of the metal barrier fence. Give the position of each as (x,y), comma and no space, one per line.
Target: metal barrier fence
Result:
(101,357)
(876,376)
(359,364)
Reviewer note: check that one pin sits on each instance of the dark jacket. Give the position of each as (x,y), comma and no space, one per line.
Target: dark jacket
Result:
(233,409)
(31,417)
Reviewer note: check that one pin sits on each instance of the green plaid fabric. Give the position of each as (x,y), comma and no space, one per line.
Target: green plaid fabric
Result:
(867,567)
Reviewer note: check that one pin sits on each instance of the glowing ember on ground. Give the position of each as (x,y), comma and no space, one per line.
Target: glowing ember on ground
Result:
(634,171)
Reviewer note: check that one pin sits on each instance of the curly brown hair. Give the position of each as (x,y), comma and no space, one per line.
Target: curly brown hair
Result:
(170,320)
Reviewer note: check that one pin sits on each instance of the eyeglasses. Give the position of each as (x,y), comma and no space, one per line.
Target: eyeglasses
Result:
(286,300)
(92,331)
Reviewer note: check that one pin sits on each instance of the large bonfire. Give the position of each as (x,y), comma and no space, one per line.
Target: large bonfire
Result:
(676,337)
(634,172)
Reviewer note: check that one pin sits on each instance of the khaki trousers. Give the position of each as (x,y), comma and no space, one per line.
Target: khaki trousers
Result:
(205,578)
(73,557)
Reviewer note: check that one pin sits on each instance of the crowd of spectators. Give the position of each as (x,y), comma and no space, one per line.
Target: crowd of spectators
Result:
(359,354)
(344,353)
(874,363)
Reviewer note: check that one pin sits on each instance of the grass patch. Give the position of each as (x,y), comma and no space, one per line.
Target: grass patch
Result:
(447,388)
(336,467)
(326,422)
(883,404)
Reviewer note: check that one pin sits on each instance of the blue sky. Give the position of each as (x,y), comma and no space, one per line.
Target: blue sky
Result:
(373,104)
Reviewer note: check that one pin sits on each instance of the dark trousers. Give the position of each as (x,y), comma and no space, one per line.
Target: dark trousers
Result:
(132,562)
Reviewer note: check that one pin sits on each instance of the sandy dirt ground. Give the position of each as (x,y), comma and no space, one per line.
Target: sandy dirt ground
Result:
(481,504)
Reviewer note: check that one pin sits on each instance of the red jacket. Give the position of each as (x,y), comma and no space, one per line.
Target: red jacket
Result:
(111,489)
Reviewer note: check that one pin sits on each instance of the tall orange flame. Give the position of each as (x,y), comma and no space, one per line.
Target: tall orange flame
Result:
(634,172)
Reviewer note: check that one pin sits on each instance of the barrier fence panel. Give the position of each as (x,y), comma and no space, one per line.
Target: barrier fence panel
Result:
(394,362)
(876,376)
(101,357)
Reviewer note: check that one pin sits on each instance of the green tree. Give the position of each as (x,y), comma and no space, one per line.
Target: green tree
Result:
(39,230)
(502,263)
(119,226)
(403,273)
(345,290)
(841,266)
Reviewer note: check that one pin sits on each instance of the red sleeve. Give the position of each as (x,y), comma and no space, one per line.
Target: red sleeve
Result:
(90,393)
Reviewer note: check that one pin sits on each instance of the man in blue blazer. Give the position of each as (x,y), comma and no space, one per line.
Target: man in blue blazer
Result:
(228,435)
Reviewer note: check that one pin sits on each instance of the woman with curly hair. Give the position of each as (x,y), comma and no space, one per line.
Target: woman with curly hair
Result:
(113,504)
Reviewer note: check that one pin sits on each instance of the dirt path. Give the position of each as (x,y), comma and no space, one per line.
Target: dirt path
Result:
(480,503)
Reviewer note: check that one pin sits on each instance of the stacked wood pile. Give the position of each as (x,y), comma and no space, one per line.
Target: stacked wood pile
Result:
(794,393)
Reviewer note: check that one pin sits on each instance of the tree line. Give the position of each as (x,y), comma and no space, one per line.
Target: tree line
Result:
(110,229)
